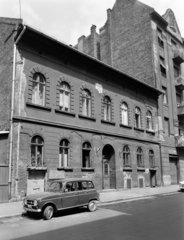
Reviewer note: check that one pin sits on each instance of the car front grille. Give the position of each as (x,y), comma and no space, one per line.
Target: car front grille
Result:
(30,202)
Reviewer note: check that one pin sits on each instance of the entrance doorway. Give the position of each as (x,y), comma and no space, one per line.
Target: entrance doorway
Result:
(153,181)
(173,162)
(108,168)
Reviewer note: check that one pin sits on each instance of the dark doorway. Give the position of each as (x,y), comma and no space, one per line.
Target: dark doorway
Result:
(108,167)
(153,182)
(173,162)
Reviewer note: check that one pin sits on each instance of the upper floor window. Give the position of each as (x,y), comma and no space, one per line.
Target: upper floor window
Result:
(86,103)
(176,71)
(38,89)
(86,149)
(37,145)
(124,113)
(179,98)
(163,67)
(64,153)
(160,37)
(137,118)
(107,108)
(166,127)
(149,121)
(140,162)
(126,157)
(165,99)
(64,97)
(151,159)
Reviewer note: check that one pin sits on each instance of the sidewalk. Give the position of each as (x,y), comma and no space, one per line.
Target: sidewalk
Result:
(13,209)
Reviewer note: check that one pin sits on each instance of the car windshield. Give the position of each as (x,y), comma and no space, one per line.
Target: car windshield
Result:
(55,187)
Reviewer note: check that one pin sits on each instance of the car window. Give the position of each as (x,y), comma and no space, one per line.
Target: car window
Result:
(55,187)
(90,185)
(84,185)
(79,186)
(70,186)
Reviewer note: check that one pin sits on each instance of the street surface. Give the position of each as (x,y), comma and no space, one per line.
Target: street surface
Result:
(158,218)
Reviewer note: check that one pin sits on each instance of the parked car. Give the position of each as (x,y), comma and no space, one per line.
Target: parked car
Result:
(63,194)
(181,185)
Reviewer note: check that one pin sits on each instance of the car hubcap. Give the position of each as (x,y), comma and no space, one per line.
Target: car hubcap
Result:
(92,205)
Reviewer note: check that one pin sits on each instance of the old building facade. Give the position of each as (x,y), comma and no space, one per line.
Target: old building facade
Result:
(136,40)
(66,114)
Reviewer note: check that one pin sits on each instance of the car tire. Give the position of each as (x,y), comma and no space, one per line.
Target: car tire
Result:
(48,212)
(92,206)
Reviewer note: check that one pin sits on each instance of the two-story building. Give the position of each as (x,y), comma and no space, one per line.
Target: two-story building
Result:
(67,114)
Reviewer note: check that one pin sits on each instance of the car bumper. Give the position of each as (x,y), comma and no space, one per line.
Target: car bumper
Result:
(32,210)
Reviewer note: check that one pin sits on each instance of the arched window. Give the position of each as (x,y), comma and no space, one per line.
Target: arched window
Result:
(38,89)
(124,113)
(86,149)
(107,108)
(126,157)
(137,118)
(140,162)
(149,122)
(64,153)
(86,103)
(37,145)
(151,159)
(64,97)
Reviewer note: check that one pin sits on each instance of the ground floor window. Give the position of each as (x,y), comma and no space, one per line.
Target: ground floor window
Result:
(63,153)
(86,149)
(37,145)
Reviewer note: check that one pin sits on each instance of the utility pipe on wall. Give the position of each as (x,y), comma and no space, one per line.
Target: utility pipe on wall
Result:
(12,109)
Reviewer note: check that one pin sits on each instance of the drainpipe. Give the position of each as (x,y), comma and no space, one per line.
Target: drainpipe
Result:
(161,168)
(12,110)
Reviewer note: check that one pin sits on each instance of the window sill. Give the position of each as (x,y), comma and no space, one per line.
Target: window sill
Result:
(65,113)
(152,168)
(127,169)
(87,118)
(125,126)
(139,129)
(108,122)
(88,169)
(36,168)
(65,169)
(141,169)
(39,107)
(150,131)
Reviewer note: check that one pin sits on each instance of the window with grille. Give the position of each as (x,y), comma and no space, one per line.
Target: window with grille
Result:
(137,118)
(107,108)
(126,157)
(140,162)
(64,97)
(38,89)
(64,153)
(149,121)
(86,149)
(151,159)
(124,113)
(86,103)
(37,145)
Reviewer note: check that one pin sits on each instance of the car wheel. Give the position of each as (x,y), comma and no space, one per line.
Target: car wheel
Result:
(48,212)
(92,206)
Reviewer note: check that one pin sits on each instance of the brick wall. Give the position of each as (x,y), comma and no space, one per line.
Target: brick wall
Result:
(7,33)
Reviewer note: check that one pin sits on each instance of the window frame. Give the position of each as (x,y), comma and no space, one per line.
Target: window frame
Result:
(149,120)
(138,118)
(151,159)
(139,156)
(37,148)
(63,91)
(86,152)
(36,84)
(126,156)
(107,109)
(124,114)
(86,103)
(64,163)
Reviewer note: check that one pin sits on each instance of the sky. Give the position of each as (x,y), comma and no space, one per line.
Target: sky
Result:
(67,20)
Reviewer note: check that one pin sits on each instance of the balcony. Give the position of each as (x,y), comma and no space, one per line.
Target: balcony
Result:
(181,110)
(179,83)
(179,141)
(178,56)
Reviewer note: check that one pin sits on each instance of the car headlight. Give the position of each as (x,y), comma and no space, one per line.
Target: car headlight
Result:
(25,201)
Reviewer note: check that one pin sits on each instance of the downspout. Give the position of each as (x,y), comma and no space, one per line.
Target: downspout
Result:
(12,110)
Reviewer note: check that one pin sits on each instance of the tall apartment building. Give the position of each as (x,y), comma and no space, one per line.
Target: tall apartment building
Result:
(138,41)
(66,114)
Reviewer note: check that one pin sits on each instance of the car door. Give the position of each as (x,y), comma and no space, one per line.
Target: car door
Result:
(70,195)
(82,189)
